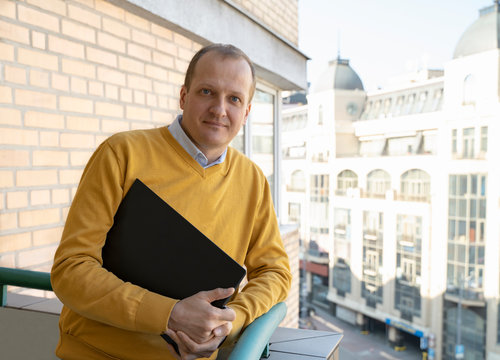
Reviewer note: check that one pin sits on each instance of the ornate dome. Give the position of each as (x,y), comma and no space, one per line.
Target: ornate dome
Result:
(482,35)
(338,76)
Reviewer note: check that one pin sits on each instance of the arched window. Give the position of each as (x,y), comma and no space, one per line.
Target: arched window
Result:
(345,180)
(298,181)
(378,182)
(469,91)
(415,185)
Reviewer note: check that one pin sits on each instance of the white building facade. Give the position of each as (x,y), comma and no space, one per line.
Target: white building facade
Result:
(397,193)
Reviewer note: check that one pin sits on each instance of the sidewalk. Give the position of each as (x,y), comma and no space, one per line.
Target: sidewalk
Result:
(355,346)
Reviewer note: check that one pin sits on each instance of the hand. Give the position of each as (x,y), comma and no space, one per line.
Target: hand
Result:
(196,317)
(189,349)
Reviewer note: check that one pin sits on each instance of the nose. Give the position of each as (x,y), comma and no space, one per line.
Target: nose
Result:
(218,107)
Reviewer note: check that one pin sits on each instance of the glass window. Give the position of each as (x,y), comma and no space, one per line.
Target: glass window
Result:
(484,138)
(415,185)
(378,182)
(261,122)
(371,285)
(454,141)
(468,143)
(320,115)
(294,212)
(297,181)
(347,179)
(469,95)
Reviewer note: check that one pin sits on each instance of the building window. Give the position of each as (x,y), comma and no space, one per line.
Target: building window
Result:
(469,95)
(454,149)
(297,181)
(421,102)
(484,139)
(408,265)
(373,234)
(262,133)
(472,332)
(468,143)
(437,101)
(320,115)
(294,212)
(466,235)
(398,106)
(320,192)
(346,180)
(378,183)
(415,186)
(410,101)
(342,251)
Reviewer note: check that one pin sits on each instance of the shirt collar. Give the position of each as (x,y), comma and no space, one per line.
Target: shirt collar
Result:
(180,135)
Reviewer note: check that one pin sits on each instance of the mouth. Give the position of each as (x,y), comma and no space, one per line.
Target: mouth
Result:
(215,124)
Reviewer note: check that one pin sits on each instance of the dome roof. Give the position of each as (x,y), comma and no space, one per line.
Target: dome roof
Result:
(482,35)
(338,76)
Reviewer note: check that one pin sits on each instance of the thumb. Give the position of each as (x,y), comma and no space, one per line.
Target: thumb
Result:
(219,293)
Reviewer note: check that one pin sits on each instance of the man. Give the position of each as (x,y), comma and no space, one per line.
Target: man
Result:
(219,190)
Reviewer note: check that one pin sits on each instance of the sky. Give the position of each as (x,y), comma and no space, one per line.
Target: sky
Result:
(383,38)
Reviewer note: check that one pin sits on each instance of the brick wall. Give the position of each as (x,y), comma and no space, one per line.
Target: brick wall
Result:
(71,74)
(279,15)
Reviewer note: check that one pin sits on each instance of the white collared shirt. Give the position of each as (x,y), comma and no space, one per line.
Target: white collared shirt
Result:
(180,135)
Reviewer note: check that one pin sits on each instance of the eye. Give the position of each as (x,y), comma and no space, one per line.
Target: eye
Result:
(206,91)
(235,99)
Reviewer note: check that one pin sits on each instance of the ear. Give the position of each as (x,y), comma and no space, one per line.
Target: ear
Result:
(182,97)
(247,112)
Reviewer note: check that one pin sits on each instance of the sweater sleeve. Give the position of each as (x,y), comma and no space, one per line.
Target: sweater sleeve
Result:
(77,276)
(268,269)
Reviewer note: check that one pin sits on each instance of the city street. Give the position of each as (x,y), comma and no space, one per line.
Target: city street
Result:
(355,346)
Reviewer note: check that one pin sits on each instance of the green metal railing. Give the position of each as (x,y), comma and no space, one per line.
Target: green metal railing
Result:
(253,343)
(23,278)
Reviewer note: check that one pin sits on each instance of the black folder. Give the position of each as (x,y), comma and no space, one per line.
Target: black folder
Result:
(153,246)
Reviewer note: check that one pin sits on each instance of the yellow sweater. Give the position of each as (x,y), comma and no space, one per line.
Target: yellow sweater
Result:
(105,318)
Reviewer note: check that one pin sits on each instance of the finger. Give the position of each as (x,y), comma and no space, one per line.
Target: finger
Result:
(203,350)
(223,330)
(218,294)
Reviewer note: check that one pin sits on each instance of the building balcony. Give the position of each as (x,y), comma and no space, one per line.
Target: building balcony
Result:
(29,328)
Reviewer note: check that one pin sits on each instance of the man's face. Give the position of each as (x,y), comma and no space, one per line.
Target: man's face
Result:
(217,103)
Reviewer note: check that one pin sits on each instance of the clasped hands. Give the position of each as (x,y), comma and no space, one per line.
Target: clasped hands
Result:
(197,327)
